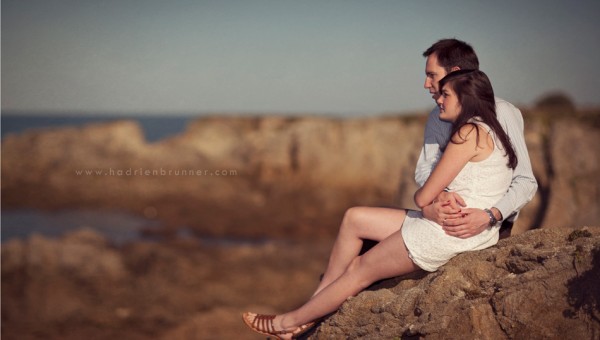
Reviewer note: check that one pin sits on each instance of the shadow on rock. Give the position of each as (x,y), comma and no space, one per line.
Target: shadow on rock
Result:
(584,294)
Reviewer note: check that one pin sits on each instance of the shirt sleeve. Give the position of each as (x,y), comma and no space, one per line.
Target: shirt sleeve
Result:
(437,133)
(523,185)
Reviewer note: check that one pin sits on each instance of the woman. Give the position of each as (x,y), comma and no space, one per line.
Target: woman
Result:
(477,163)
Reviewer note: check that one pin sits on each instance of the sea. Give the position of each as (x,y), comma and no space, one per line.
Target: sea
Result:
(155,127)
(118,227)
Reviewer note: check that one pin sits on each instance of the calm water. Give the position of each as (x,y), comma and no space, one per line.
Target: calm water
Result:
(118,227)
(155,127)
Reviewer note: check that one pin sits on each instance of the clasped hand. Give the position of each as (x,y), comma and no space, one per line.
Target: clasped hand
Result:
(449,210)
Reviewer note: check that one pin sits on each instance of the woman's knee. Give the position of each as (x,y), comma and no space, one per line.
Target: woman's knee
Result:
(352,216)
(348,225)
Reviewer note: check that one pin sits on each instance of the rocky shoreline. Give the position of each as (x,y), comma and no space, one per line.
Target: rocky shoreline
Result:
(257,177)
(284,184)
(538,285)
(81,286)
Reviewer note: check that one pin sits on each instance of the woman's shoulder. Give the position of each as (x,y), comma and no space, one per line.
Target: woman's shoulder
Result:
(468,131)
(475,133)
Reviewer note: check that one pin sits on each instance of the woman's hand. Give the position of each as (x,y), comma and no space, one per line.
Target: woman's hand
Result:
(447,205)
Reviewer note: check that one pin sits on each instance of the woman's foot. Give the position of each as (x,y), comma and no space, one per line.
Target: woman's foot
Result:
(267,325)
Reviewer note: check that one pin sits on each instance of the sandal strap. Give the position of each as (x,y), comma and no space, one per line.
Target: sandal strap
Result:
(265,323)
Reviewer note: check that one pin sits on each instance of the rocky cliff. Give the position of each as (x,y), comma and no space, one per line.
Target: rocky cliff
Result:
(277,176)
(288,180)
(296,175)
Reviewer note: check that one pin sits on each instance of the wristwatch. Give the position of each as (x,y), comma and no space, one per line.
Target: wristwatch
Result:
(493,219)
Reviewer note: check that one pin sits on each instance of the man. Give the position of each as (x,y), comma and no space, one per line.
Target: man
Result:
(348,272)
(448,210)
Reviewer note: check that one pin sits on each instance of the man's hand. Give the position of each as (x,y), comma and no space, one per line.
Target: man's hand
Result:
(446,206)
(472,222)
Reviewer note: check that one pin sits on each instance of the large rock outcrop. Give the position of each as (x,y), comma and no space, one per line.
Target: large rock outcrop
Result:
(290,179)
(80,286)
(291,174)
(542,284)
(277,176)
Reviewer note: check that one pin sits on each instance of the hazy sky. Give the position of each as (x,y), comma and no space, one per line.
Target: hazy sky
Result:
(340,57)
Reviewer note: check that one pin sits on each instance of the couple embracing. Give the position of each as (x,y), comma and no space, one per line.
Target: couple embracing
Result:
(474,174)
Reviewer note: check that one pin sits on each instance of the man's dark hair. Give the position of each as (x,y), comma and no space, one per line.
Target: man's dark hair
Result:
(453,52)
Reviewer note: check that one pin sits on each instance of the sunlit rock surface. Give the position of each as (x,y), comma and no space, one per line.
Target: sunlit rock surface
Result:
(538,285)
(278,176)
(542,284)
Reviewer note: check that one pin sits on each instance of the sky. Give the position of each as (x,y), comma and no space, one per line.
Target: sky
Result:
(285,57)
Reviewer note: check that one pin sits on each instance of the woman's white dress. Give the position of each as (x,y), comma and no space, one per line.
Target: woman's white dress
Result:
(481,184)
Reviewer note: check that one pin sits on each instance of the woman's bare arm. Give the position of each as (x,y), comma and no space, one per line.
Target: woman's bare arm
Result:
(455,157)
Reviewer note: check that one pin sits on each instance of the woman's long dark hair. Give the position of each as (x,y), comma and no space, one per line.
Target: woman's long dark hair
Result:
(476,98)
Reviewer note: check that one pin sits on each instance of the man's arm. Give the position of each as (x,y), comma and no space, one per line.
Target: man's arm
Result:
(437,133)
(524,185)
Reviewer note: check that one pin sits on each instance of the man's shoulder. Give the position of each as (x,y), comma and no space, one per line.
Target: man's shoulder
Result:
(502,103)
(507,113)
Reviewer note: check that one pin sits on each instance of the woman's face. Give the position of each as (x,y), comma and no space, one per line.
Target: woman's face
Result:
(448,103)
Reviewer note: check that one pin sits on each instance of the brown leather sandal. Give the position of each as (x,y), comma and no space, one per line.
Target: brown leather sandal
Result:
(263,324)
(302,329)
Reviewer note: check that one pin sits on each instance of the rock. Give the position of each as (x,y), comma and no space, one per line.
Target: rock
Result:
(290,173)
(47,273)
(220,323)
(233,176)
(292,179)
(556,104)
(575,189)
(538,285)
(80,286)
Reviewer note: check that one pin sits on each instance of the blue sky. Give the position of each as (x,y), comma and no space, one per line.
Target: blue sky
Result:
(277,56)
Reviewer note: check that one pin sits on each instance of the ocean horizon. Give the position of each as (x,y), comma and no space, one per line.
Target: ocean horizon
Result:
(155,127)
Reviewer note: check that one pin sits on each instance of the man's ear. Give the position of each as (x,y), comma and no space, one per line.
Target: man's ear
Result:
(455,68)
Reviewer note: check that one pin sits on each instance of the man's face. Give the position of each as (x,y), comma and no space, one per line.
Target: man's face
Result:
(433,74)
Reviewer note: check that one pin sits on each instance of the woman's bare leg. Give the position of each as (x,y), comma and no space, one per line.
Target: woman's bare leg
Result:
(387,259)
(358,224)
